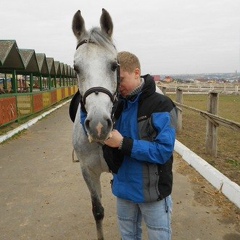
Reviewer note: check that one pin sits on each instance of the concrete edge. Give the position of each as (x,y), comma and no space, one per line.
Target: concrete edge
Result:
(29,123)
(229,188)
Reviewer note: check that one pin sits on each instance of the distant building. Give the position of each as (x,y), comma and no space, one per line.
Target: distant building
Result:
(156,78)
(201,80)
(168,79)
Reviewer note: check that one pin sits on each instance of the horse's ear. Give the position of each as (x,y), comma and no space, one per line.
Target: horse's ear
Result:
(106,23)
(78,25)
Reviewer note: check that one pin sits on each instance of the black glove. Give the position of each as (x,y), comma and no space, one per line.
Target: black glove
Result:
(113,158)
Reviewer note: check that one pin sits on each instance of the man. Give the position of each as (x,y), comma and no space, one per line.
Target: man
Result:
(142,145)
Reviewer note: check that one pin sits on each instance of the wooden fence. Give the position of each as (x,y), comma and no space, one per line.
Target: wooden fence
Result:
(15,106)
(213,120)
(196,88)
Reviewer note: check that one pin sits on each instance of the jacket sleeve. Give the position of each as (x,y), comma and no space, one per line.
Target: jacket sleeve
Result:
(113,158)
(160,149)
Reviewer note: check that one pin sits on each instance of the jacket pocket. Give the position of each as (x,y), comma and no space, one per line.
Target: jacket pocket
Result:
(151,182)
(165,179)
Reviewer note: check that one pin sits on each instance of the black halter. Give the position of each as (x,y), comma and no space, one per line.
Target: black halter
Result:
(84,41)
(96,90)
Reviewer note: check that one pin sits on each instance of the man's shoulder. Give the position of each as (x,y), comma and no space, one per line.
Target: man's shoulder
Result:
(156,96)
(157,102)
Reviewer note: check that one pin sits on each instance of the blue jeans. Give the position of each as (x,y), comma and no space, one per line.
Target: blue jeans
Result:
(156,215)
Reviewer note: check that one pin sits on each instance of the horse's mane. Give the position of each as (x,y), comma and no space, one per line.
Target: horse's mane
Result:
(98,37)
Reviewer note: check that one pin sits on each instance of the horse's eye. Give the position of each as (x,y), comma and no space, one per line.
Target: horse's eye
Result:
(114,66)
(76,68)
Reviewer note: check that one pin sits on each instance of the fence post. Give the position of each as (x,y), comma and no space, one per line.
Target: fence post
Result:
(55,81)
(49,79)
(31,82)
(211,133)
(5,82)
(164,89)
(40,82)
(236,89)
(179,99)
(14,82)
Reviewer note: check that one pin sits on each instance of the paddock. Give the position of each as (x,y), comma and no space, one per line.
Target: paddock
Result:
(43,194)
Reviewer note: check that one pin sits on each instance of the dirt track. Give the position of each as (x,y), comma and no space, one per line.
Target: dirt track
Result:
(43,195)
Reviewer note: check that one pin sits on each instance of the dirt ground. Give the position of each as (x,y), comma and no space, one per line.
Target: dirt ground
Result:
(43,195)
(193,133)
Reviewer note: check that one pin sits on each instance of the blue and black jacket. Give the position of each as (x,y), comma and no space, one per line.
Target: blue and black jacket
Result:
(148,124)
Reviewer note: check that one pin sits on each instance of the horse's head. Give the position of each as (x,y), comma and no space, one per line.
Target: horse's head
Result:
(95,62)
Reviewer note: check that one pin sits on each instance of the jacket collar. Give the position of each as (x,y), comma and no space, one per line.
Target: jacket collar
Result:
(149,86)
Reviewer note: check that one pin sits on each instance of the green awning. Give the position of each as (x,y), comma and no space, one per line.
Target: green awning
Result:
(10,58)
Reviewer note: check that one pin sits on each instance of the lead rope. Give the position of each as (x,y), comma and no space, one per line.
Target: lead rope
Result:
(73,159)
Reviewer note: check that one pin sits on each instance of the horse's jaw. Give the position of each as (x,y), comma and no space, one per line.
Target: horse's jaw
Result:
(91,139)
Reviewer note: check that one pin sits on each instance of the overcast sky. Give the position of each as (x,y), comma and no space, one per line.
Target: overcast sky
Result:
(168,36)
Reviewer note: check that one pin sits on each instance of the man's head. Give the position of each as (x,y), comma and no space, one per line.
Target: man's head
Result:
(130,72)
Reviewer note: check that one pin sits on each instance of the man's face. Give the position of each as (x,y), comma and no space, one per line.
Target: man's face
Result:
(128,81)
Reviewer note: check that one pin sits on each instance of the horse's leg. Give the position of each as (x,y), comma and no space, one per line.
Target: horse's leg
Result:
(93,182)
(92,166)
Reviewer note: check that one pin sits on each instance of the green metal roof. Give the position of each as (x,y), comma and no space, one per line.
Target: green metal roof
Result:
(51,67)
(29,60)
(42,63)
(26,61)
(9,56)
(57,68)
(62,69)
(66,69)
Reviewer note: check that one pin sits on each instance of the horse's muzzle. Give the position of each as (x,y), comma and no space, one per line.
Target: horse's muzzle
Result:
(98,130)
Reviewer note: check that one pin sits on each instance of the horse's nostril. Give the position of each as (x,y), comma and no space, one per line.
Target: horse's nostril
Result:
(109,123)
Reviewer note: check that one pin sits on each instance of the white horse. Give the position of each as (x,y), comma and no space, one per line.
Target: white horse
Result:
(95,62)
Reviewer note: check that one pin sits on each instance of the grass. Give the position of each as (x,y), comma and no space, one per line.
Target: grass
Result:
(234,163)
(193,134)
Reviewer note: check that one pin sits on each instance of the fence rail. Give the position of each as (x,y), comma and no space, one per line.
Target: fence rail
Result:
(213,120)
(217,120)
(15,106)
(204,88)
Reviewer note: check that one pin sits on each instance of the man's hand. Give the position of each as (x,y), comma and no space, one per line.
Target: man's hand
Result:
(115,139)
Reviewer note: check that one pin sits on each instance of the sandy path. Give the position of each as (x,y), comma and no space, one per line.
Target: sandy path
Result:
(43,195)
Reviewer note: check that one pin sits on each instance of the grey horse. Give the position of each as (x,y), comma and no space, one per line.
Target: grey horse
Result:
(95,62)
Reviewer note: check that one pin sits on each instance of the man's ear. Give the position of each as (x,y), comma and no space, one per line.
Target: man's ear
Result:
(137,72)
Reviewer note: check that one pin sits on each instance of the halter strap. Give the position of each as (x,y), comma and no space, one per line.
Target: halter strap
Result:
(96,90)
(87,41)
(84,41)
